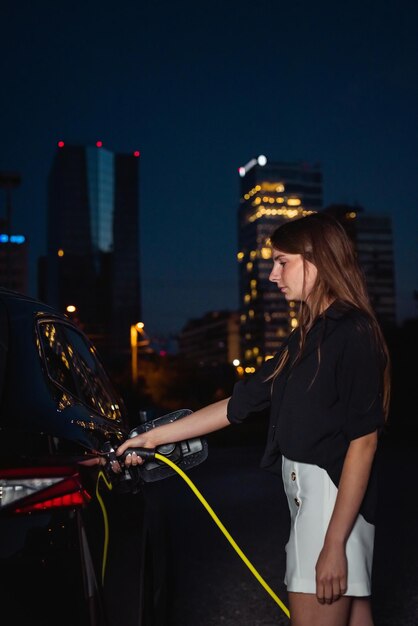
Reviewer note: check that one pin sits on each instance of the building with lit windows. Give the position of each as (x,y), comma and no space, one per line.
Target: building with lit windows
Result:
(270,194)
(13,260)
(92,260)
(373,239)
(213,339)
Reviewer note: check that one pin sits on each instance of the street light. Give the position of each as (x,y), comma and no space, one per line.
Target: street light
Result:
(238,367)
(139,342)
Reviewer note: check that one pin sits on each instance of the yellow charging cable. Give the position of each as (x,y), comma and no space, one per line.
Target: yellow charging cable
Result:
(216,519)
(105,519)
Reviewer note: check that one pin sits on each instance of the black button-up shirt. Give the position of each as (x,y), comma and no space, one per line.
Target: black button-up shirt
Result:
(321,401)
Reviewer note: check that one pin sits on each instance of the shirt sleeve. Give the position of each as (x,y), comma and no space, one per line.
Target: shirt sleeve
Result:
(253,394)
(361,383)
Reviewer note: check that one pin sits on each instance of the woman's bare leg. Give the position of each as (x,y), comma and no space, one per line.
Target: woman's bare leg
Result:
(305,610)
(361,612)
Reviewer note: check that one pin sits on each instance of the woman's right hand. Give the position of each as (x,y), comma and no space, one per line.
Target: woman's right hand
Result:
(143,440)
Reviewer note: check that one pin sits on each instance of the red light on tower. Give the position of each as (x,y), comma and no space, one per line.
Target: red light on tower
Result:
(137,153)
(99,144)
(61,144)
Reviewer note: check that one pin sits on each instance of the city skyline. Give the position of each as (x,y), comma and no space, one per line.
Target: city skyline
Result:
(92,261)
(200,91)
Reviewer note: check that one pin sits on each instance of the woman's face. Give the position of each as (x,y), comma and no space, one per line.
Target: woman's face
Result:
(293,277)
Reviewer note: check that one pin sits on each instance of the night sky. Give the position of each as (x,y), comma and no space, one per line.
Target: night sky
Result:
(201,88)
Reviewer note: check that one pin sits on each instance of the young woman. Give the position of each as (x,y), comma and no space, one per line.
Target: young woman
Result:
(328,392)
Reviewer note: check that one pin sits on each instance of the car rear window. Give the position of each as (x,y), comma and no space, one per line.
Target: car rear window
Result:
(56,357)
(72,364)
(96,387)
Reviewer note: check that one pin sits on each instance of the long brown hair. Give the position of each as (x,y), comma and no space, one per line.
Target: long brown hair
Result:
(320,239)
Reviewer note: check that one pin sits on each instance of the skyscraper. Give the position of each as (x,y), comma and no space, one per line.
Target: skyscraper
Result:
(373,239)
(93,240)
(271,193)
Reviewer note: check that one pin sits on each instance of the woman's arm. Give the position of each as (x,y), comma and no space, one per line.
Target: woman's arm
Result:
(331,567)
(210,418)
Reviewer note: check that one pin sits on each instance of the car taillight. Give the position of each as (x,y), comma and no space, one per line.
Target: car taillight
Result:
(38,489)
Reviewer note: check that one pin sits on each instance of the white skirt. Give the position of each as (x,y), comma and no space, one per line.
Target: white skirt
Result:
(311,496)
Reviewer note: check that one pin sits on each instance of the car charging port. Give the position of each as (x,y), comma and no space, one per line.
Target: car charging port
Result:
(186,454)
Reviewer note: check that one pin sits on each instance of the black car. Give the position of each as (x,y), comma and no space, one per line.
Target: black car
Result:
(79,544)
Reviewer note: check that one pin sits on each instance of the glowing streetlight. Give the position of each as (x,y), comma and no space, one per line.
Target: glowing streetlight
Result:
(134,353)
(139,340)
(238,367)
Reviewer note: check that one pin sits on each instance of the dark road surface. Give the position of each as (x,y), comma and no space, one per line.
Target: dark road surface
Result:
(211,586)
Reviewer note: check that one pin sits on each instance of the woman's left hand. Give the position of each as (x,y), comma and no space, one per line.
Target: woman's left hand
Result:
(331,573)
(331,567)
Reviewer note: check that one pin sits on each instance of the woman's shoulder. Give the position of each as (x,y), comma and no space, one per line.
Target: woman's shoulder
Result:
(349,319)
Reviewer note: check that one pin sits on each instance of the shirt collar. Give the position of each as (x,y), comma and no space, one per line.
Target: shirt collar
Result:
(337,310)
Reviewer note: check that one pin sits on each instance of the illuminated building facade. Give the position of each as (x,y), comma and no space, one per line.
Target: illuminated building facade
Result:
(13,260)
(271,193)
(373,239)
(93,241)
(213,339)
